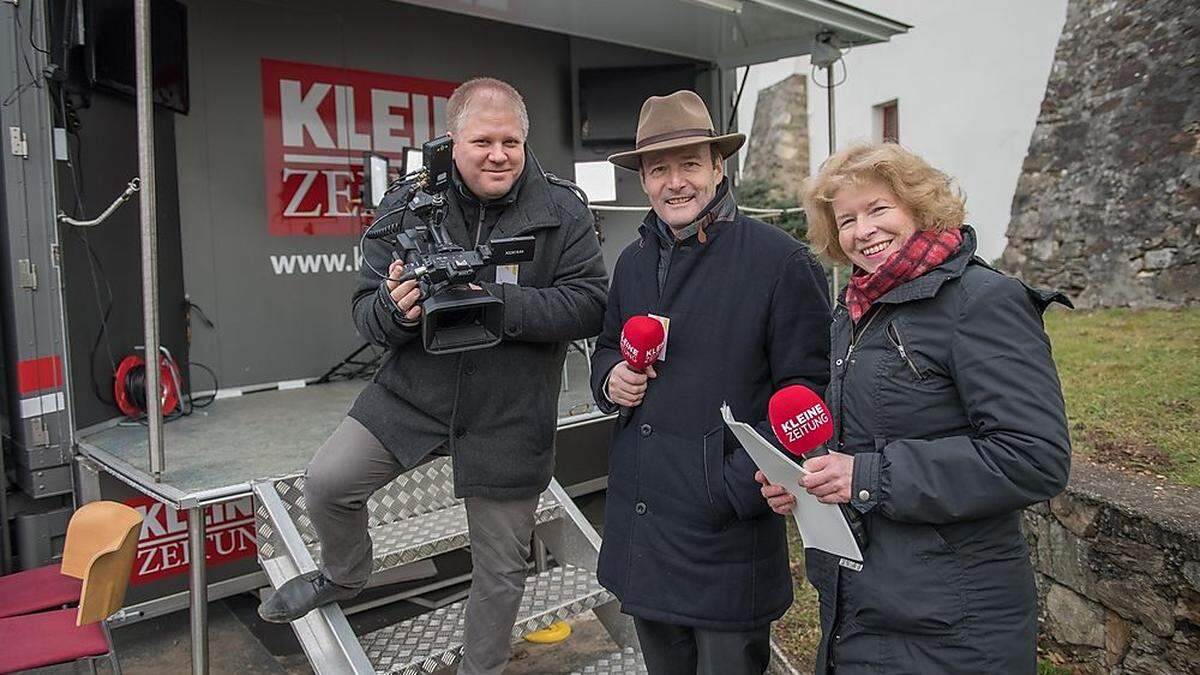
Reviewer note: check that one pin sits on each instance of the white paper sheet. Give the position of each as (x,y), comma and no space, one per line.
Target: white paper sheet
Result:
(413,160)
(822,526)
(598,180)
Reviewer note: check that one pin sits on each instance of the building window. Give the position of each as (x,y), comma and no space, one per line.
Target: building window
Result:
(887,122)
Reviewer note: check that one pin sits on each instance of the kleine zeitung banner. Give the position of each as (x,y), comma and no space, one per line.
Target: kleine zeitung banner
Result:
(162,549)
(318,123)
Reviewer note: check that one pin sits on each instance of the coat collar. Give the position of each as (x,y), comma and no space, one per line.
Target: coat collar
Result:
(928,284)
(529,203)
(718,213)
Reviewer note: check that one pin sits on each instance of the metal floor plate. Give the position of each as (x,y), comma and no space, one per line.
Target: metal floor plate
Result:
(414,517)
(623,662)
(404,541)
(433,641)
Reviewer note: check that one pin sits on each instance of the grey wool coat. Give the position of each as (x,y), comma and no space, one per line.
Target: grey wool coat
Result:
(946,394)
(494,409)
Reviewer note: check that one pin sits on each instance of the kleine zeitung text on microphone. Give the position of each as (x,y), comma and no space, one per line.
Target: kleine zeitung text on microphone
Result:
(805,423)
(628,348)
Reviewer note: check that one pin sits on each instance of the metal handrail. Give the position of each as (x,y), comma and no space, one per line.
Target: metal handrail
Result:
(328,623)
(134,185)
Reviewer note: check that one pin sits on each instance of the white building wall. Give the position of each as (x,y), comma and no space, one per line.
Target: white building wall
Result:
(969,77)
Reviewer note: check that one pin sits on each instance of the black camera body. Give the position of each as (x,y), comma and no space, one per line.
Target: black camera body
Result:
(455,317)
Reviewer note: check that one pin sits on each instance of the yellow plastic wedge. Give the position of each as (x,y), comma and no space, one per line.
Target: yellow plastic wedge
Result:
(555,632)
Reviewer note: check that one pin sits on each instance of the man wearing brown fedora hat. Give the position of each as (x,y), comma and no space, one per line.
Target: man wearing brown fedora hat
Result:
(690,546)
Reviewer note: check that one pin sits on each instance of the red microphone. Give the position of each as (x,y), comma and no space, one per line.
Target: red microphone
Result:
(800,419)
(642,340)
(802,424)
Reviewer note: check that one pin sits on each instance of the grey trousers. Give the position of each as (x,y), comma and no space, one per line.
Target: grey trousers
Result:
(353,464)
(681,650)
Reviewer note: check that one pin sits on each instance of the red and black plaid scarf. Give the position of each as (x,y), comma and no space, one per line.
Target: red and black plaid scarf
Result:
(922,252)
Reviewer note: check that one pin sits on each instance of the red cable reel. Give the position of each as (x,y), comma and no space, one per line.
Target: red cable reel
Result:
(129,386)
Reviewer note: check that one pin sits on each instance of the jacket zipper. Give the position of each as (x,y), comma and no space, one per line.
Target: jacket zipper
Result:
(893,335)
(856,336)
(479,224)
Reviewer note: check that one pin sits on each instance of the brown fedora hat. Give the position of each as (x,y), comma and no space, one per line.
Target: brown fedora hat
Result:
(672,122)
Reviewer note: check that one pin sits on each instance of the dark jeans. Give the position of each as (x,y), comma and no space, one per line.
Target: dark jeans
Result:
(682,650)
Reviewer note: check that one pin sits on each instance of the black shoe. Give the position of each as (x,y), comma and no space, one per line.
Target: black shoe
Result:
(300,595)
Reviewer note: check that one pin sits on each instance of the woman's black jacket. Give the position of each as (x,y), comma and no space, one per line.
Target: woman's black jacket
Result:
(946,394)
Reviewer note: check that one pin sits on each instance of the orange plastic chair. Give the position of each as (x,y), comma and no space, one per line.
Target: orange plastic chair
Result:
(101,544)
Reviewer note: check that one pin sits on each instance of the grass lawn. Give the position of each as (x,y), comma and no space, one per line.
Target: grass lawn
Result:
(799,631)
(1132,384)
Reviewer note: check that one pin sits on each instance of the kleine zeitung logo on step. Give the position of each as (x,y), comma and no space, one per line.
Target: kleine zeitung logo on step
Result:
(162,549)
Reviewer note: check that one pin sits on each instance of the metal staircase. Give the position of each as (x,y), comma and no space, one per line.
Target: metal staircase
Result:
(416,517)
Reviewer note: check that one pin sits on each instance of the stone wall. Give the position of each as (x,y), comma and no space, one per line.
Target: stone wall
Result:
(778,152)
(1107,207)
(1117,562)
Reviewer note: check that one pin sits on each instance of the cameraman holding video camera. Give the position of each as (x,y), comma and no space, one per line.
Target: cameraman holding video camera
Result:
(492,410)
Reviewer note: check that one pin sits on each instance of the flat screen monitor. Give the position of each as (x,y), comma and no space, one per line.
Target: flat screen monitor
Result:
(110,49)
(610,99)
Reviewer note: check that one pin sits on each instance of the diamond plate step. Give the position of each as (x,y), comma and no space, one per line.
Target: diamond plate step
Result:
(425,536)
(412,518)
(432,641)
(626,662)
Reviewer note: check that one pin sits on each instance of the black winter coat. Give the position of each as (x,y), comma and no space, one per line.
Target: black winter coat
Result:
(495,408)
(688,537)
(951,405)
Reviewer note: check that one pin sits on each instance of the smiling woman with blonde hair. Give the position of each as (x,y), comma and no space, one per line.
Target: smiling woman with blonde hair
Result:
(928,194)
(948,420)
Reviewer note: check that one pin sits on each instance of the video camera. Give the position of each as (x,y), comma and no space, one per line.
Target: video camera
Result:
(455,317)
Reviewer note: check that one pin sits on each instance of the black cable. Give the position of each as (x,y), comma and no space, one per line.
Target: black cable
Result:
(190,306)
(135,386)
(389,229)
(737,101)
(68,25)
(72,164)
(105,311)
(35,81)
(31,42)
(135,389)
(812,76)
(204,401)
(382,233)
